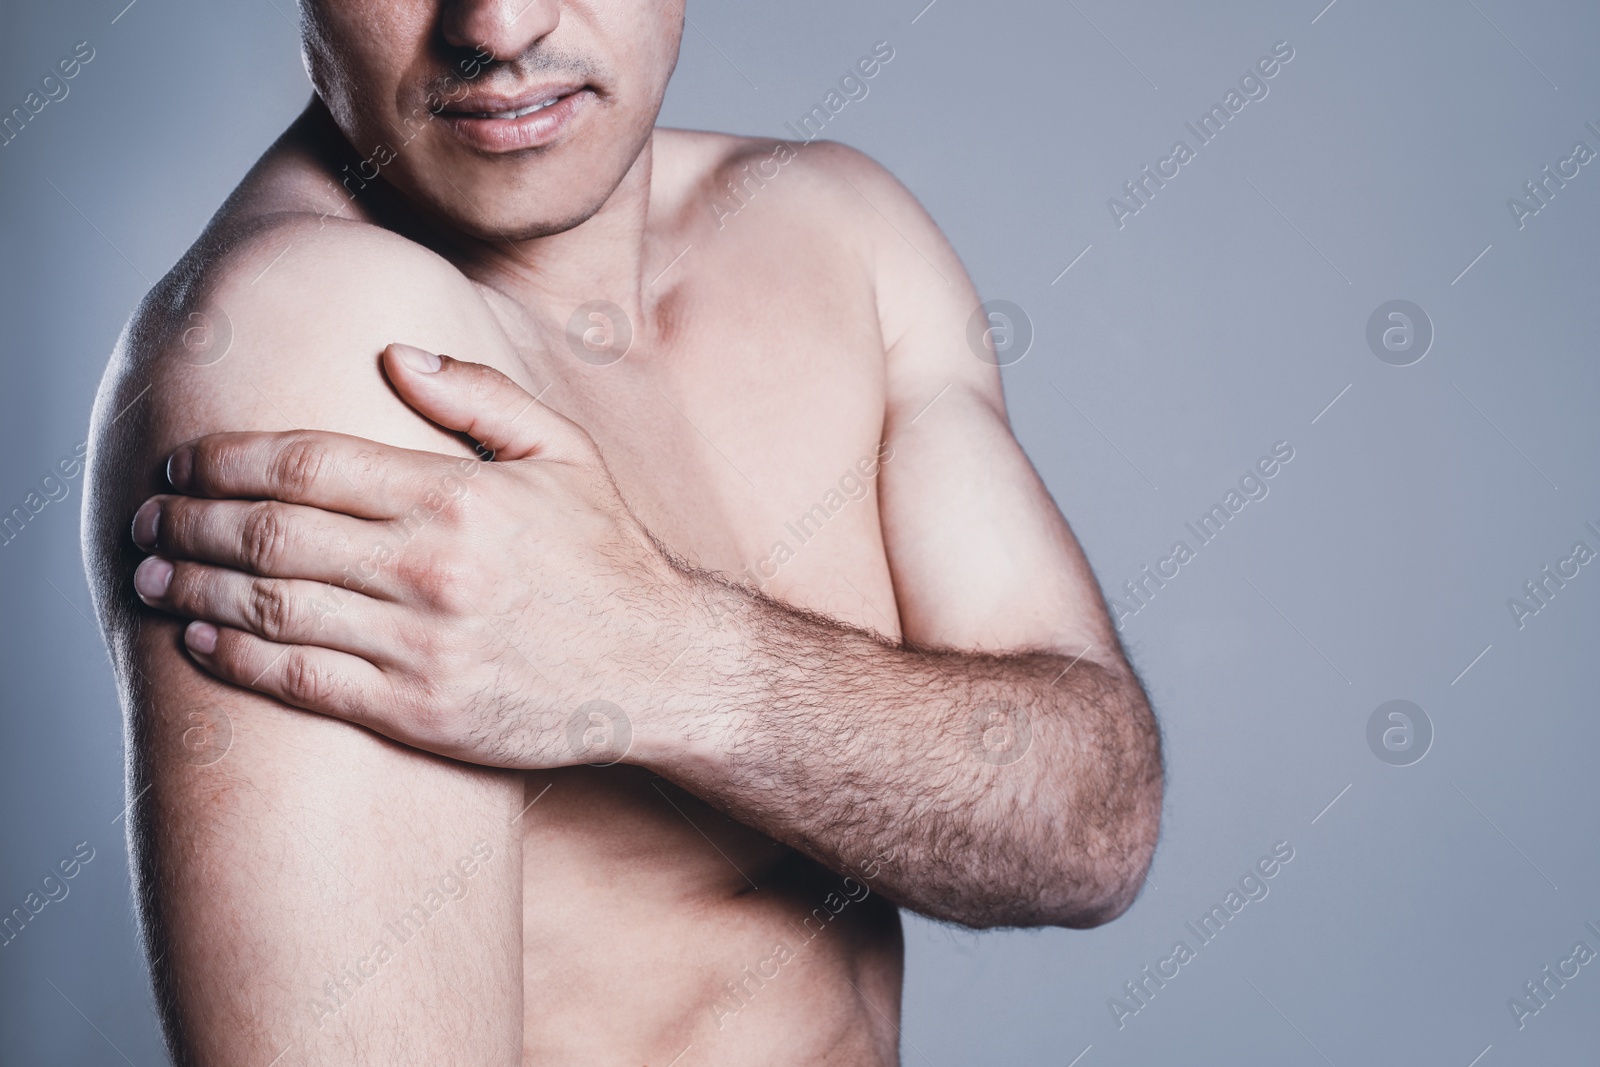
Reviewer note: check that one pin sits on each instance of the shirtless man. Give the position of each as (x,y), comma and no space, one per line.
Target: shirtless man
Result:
(626,746)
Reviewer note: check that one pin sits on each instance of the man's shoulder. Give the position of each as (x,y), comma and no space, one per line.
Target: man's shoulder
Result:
(270,278)
(278,323)
(823,215)
(769,184)
(292,309)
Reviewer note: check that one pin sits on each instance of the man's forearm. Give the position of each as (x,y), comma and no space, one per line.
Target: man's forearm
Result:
(997,790)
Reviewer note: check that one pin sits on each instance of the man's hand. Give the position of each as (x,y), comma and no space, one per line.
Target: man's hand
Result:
(460,606)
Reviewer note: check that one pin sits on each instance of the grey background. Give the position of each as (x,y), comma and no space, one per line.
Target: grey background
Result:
(1222,318)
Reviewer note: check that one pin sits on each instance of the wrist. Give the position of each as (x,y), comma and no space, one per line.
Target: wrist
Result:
(693,710)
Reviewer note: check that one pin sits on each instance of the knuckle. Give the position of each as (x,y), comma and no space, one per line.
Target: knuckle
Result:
(231,658)
(409,565)
(210,455)
(303,681)
(412,631)
(455,505)
(364,464)
(297,465)
(264,535)
(188,593)
(181,525)
(430,569)
(443,582)
(420,698)
(269,610)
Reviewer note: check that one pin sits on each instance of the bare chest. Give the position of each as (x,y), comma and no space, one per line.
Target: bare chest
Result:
(746,437)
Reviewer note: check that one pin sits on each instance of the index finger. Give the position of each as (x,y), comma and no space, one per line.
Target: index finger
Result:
(332,471)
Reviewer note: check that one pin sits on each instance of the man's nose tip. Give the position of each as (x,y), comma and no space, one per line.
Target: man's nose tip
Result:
(502,28)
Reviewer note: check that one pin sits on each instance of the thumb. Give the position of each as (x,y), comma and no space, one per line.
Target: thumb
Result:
(477,400)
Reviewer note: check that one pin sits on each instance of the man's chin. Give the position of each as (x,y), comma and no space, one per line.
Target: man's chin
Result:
(522,229)
(487,211)
(497,228)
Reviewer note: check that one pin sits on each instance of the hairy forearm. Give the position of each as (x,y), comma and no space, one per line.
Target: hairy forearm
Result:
(985,789)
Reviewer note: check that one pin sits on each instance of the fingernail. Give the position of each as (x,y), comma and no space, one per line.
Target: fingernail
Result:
(152,578)
(201,637)
(147,524)
(180,467)
(418,359)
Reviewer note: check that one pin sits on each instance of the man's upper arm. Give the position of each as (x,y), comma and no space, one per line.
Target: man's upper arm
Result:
(303,881)
(980,556)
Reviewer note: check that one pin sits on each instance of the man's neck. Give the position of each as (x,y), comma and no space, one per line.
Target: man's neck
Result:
(611,256)
(606,257)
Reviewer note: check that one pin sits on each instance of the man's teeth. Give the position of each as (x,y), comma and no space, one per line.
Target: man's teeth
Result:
(517,114)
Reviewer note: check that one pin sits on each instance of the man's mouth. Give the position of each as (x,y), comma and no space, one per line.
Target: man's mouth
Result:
(514,122)
(514,114)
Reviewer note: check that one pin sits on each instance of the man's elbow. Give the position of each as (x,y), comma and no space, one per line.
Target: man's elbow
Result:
(1105,857)
(1075,888)
(1097,876)
(1081,909)
(1097,910)
(1107,892)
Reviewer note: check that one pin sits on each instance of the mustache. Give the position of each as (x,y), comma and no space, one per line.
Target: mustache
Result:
(482,71)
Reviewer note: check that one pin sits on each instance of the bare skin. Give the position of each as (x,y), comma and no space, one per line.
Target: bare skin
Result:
(801,762)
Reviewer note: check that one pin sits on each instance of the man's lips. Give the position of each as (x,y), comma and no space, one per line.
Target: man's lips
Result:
(531,119)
